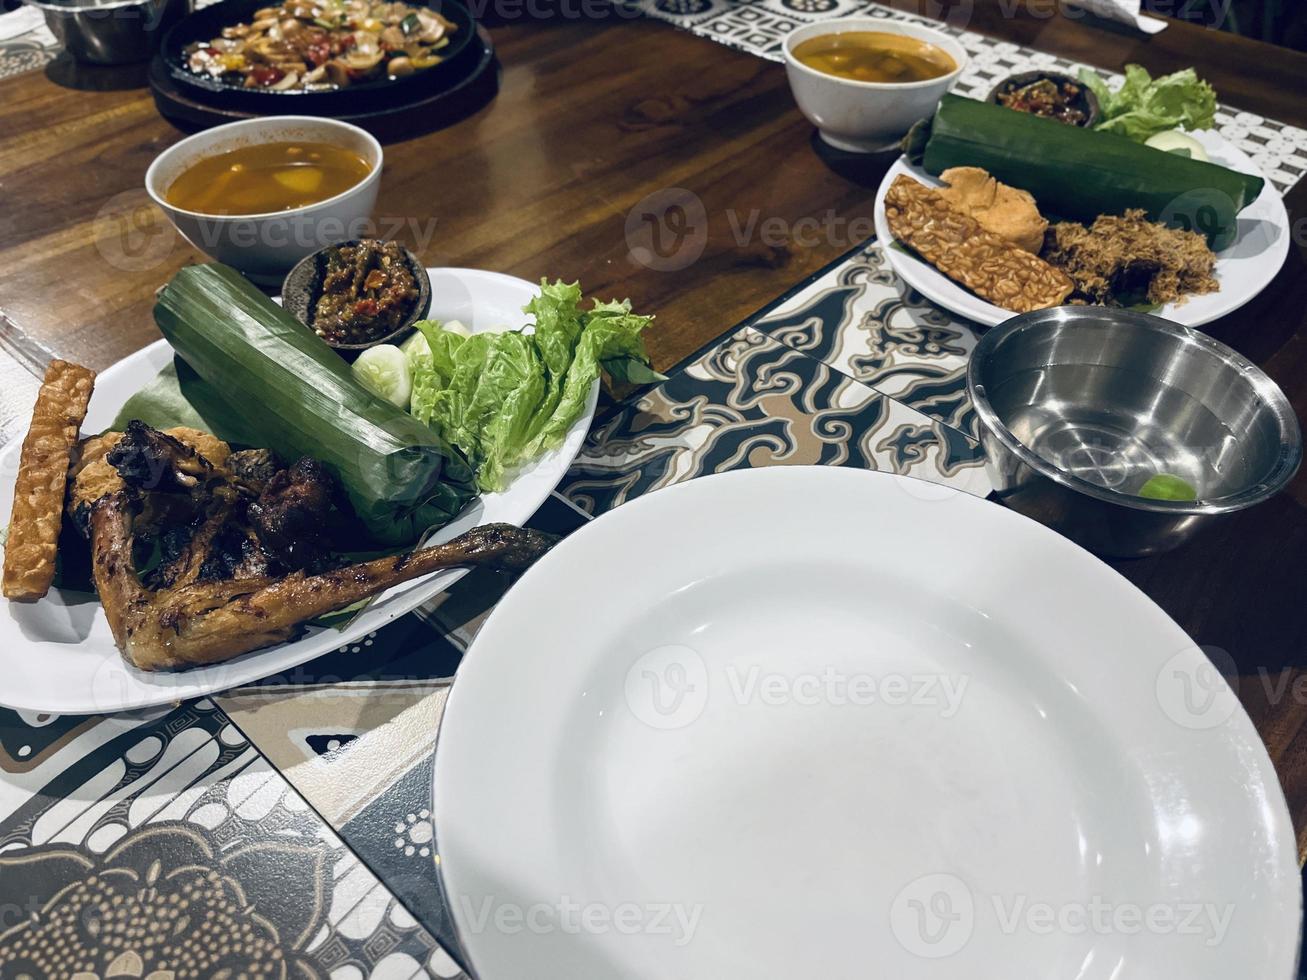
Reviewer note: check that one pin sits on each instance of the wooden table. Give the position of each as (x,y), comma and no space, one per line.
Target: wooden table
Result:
(592,117)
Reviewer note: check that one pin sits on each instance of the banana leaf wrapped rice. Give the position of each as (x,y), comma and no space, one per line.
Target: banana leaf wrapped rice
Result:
(262,379)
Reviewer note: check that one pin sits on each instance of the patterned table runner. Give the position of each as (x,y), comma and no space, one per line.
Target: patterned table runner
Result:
(296,812)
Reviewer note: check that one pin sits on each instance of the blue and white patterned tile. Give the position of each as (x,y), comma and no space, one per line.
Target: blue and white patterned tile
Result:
(864,321)
(753,401)
(173,848)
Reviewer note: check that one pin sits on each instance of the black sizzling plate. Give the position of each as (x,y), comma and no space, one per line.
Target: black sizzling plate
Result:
(208,23)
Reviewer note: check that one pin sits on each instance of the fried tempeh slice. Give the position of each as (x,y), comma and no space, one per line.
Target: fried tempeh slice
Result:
(43,478)
(955,243)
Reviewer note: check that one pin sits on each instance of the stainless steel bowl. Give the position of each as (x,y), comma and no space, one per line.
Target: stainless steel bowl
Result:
(1079,407)
(111,32)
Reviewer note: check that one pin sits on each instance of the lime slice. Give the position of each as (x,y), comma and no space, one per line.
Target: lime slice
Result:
(1164,486)
(384,371)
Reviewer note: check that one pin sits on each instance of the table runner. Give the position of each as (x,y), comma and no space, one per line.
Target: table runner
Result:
(304,799)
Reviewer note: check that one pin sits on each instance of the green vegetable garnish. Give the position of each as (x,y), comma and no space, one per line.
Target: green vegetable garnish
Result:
(1144,106)
(1164,486)
(384,371)
(506,398)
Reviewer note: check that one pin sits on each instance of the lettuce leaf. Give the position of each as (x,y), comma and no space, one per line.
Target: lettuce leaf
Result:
(507,398)
(1144,106)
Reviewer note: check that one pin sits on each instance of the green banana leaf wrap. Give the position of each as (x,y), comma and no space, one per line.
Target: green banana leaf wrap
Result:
(258,377)
(1080,173)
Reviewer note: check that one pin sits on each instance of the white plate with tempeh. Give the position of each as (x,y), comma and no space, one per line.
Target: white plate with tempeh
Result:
(58,654)
(1243,269)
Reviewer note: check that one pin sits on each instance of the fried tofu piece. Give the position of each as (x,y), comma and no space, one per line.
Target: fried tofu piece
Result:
(955,243)
(1008,212)
(42,480)
(93,477)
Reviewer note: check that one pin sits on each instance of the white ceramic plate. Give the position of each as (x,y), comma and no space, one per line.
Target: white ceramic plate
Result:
(58,655)
(821,722)
(1244,269)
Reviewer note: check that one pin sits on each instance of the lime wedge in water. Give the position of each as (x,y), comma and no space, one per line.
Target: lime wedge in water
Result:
(1164,486)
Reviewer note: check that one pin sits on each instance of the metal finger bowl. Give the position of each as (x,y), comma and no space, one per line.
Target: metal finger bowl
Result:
(1089,417)
(111,32)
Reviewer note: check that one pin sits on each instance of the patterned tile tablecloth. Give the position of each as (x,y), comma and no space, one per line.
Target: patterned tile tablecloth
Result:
(284,829)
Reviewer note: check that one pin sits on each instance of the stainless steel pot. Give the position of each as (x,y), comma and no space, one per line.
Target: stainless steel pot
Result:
(111,32)
(1080,407)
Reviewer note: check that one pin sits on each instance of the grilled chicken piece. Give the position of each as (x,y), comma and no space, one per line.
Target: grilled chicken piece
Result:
(291,514)
(209,622)
(254,467)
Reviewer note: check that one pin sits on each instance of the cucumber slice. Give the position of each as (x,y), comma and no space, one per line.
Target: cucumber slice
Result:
(456,326)
(1181,144)
(416,350)
(384,371)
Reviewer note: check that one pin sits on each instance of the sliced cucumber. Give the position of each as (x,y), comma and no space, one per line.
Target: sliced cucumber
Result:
(416,350)
(384,371)
(456,326)
(1181,144)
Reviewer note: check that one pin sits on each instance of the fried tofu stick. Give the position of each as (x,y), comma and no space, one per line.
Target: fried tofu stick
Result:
(42,480)
(954,242)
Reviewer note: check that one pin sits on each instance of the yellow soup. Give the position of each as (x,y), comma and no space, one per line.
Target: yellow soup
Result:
(266,177)
(874,56)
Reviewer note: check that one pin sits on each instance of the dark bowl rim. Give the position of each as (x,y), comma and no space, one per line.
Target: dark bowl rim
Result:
(420,308)
(1277,476)
(1034,74)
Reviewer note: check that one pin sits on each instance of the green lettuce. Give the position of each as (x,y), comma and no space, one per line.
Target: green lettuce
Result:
(506,398)
(1144,106)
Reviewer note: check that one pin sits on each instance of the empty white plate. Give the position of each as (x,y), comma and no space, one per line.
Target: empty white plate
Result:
(58,654)
(818,722)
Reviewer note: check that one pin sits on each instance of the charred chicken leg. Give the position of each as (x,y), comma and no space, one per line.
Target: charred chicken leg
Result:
(208,622)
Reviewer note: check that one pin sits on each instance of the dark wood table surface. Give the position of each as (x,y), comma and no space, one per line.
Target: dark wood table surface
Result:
(595,114)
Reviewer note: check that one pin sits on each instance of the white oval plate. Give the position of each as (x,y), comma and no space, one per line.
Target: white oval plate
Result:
(1243,269)
(822,722)
(58,655)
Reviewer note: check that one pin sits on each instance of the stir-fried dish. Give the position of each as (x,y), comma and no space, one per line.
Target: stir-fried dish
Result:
(319,45)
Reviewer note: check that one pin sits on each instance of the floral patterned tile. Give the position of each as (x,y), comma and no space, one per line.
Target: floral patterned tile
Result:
(861,319)
(753,401)
(175,850)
